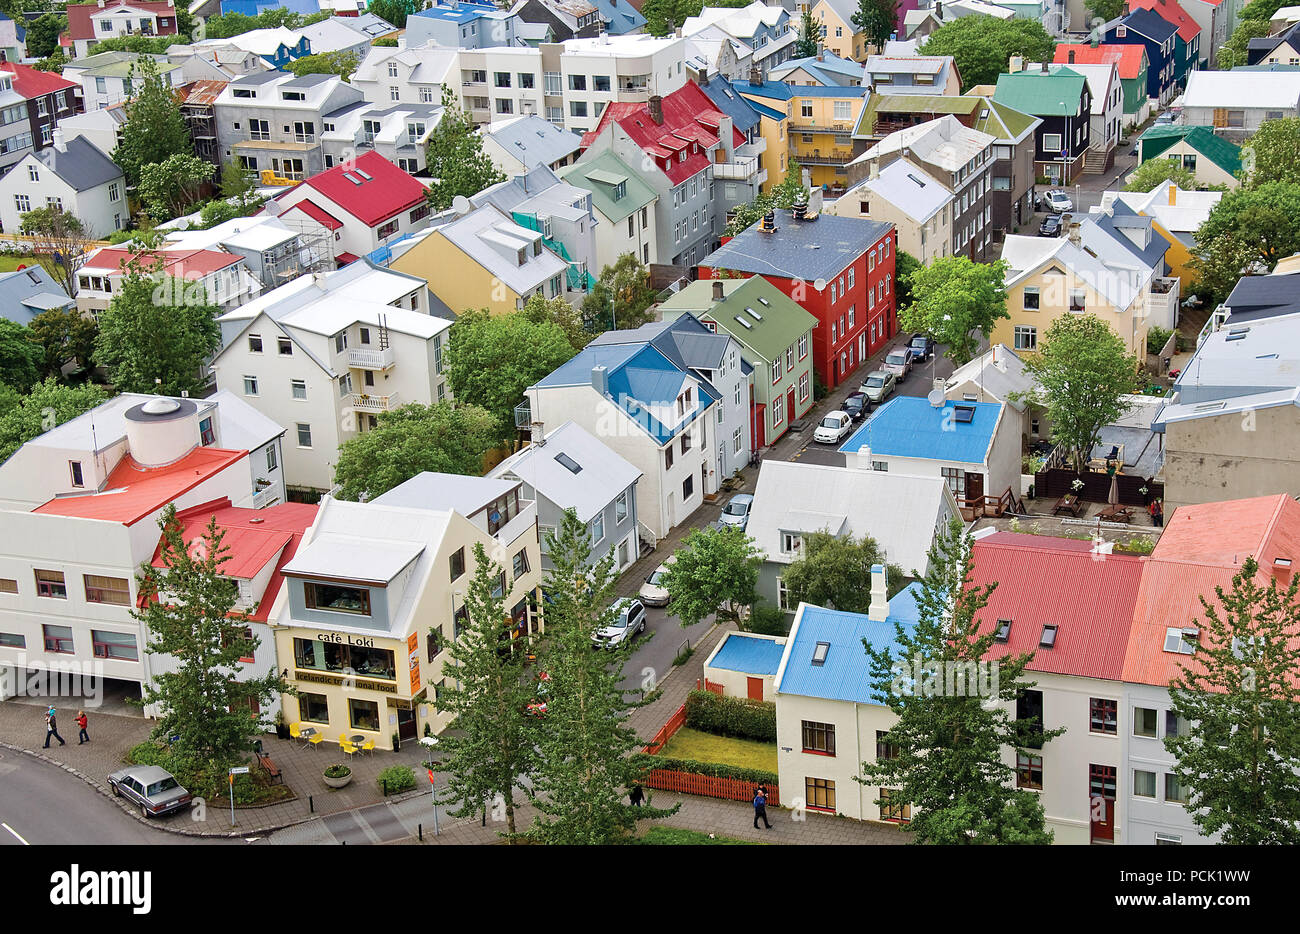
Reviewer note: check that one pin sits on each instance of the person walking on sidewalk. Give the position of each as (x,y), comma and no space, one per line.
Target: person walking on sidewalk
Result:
(760,810)
(83,736)
(52,729)
(637,795)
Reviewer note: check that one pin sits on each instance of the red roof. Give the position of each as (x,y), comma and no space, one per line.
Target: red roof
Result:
(81,15)
(690,124)
(1128,58)
(373,197)
(316,213)
(179,264)
(203,92)
(254,538)
(134,492)
(32,82)
(345,257)
(1172,12)
(1060,582)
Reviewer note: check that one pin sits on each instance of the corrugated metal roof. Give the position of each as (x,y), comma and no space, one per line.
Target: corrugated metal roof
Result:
(808,250)
(909,426)
(1129,57)
(754,656)
(1050,95)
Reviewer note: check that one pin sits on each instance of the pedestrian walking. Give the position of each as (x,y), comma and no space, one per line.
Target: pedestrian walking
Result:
(760,810)
(637,795)
(52,728)
(83,736)
(1157,511)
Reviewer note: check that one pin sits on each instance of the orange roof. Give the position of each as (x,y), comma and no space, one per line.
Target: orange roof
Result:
(1127,57)
(1225,533)
(134,492)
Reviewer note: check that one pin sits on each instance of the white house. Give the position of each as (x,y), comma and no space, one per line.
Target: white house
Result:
(407,74)
(518,145)
(73,176)
(213,277)
(1235,103)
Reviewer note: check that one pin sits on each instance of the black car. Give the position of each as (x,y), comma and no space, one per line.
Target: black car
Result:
(1051,226)
(856,406)
(922,346)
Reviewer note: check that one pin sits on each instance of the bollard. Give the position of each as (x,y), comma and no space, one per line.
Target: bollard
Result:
(419,829)
(311,805)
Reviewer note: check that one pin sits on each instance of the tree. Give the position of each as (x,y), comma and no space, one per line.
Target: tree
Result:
(715,571)
(157,329)
(22,358)
(982,46)
(492,751)
(950,742)
(905,267)
(58,241)
(188,610)
(1238,695)
(455,157)
(53,63)
(64,335)
(444,437)
(541,310)
(1249,230)
(663,16)
(492,359)
(836,572)
(1273,153)
(807,45)
(394,11)
(169,187)
(48,405)
(1157,171)
(878,19)
(1084,371)
(1105,10)
(1252,23)
(341,63)
(788,192)
(954,300)
(43,34)
(154,127)
(623,291)
(583,741)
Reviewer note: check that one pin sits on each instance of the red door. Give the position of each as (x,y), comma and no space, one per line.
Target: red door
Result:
(1101,803)
(789,403)
(755,688)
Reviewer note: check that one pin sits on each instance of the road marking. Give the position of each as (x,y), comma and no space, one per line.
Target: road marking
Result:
(16,834)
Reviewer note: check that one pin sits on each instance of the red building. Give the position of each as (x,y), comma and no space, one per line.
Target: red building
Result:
(840,269)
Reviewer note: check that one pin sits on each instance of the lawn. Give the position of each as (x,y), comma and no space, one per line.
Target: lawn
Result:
(679,836)
(705,747)
(11,261)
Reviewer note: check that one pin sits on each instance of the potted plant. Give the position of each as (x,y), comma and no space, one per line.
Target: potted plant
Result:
(336,776)
(281,728)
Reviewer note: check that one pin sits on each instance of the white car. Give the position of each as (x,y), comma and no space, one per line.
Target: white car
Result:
(629,621)
(833,428)
(653,592)
(1057,201)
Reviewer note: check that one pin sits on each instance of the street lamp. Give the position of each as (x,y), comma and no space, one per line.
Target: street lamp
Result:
(429,742)
(1065,143)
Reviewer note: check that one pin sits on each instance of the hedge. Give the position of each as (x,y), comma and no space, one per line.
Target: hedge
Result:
(396,779)
(731,716)
(712,769)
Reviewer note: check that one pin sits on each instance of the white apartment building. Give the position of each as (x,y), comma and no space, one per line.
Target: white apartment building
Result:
(407,75)
(593,73)
(210,276)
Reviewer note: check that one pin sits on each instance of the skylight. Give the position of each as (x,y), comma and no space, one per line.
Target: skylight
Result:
(568,463)
(1004,631)
(820,653)
(1048,638)
(1181,641)
(743,323)
(756,315)
(963,412)
(363,174)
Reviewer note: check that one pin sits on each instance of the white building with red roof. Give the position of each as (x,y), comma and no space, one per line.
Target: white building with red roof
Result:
(47,98)
(212,276)
(91,23)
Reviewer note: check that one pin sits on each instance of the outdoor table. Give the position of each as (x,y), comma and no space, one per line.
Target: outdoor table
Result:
(306,733)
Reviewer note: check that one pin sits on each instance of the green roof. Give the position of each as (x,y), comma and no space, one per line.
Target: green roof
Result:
(597,175)
(1201,138)
(936,104)
(779,323)
(1003,122)
(1031,92)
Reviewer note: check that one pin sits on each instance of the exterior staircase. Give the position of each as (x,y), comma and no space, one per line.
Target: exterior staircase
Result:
(1097,161)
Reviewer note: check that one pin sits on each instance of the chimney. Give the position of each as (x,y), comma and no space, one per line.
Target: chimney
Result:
(717,290)
(600,380)
(1000,356)
(1075,239)
(1016,64)
(656,108)
(1173,194)
(815,199)
(938,10)
(1044,66)
(537,433)
(1071,56)
(59,139)
(878,611)
(1095,40)
(755,77)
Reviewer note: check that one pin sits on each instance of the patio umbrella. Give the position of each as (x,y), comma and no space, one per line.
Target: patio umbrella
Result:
(1113,496)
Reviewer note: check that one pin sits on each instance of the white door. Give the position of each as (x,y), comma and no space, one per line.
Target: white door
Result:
(671,514)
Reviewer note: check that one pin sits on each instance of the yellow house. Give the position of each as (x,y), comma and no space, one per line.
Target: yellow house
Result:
(1051,277)
(482,260)
(817,131)
(376,595)
(835,17)
(1176,214)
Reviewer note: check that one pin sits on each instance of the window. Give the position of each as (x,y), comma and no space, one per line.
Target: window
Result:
(1144,784)
(842,110)
(456,563)
(882,466)
(688,487)
(521,563)
(1078,299)
(526,80)
(956,478)
(819,794)
(313,708)
(1031,297)
(58,639)
(337,598)
(620,507)
(270,457)
(1029,707)
(255,343)
(596,529)
(803,389)
(668,457)
(736,441)
(285,346)
(1029,771)
(113,192)
(577,82)
(577,108)
(250,385)
(13,640)
(819,737)
(23,203)
(789,358)
(74,470)
(782,595)
(778,410)
(791,543)
(119,645)
(894,811)
(885,749)
(114,590)
(1175,791)
(1168,839)
(304,435)
(50,584)
(363,714)
(1026,337)
(686,441)
(8,585)
(1144,722)
(1103,715)
(600,83)
(299,388)
(1052,143)
(1174,724)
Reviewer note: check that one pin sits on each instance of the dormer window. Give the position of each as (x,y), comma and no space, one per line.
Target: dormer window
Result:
(1048,639)
(1181,641)
(337,598)
(791,543)
(1004,631)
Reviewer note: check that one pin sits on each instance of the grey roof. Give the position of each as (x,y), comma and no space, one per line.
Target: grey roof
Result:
(686,342)
(808,250)
(307,81)
(534,141)
(25,293)
(1136,233)
(1256,297)
(1000,372)
(442,491)
(602,474)
(80,163)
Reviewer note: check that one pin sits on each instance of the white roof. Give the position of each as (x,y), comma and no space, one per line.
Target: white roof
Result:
(330,35)
(1274,90)
(741,22)
(1189,210)
(999,372)
(641,44)
(944,142)
(365,542)
(260,41)
(898,511)
(254,234)
(1118,283)
(912,191)
(487,235)
(445,492)
(602,475)
(361,281)
(906,64)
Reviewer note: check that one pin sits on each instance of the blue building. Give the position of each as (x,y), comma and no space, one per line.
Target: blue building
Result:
(1149,29)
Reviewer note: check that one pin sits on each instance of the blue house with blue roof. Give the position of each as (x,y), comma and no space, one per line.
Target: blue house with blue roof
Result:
(744,664)
(654,413)
(464,25)
(974,446)
(1147,28)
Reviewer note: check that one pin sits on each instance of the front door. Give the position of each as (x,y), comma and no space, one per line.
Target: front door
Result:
(754,687)
(789,402)
(1101,803)
(974,488)
(406,725)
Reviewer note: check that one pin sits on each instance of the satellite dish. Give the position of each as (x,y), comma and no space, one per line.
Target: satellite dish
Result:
(819,285)
(936,398)
(460,204)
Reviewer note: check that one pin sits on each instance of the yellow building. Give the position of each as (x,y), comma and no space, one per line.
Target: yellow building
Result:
(835,17)
(817,131)
(376,595)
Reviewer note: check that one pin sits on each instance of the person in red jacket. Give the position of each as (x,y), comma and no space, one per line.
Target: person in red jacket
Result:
(83,737)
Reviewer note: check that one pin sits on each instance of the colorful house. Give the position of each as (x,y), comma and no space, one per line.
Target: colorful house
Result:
(1208,156)
(1133,64)
(1188,54)
(819,126)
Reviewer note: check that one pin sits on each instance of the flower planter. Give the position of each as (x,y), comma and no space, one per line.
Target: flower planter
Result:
(339,782)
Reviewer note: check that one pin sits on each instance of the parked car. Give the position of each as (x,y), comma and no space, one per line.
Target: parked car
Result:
(878,385)
(154,789)
(1051,226)
(856,406)
(629,621)
(1164,119)
(653,592)
(833,428)
(1057,201)
(736,512)
(922,346)
(898,362)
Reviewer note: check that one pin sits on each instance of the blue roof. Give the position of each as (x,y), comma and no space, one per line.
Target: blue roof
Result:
(463,13)
(743,115)
(754,656)
(808,250)
(846,673)
(621,17)
(1149,24)
(26,293)
(254,7)
(825,67)
(909,426)
(781,91)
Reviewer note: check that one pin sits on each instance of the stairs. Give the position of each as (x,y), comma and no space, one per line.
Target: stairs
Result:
(1096,161)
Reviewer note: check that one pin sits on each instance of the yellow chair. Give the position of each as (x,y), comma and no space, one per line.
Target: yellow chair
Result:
(315,739)
(368,746)
(295,730)
(347,747)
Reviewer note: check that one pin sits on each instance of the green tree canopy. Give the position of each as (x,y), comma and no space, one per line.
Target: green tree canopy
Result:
(541,310)
(155,128)
(43,34)
(59,241)
(444,437)
(1273,153)
(49,404)
(170,187)
(836,572)
(905,267)
(982,45)
(807,45)
(622,290)
(394,11)
(788,192)
(1105,10)
(957,301)
(341,63)
(1249,230)
(878,19)
(715,571)
(63,334)
(22,358)
(455,157)
(663,16)
(1157,171)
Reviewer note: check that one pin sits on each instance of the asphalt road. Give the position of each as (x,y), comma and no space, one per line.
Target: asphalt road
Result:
(41,804)
(655,649)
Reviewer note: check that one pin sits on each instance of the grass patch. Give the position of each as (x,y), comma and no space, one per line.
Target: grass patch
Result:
(678,836)
(11,261)
(705,747)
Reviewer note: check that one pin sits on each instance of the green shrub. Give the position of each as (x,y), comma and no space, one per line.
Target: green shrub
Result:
(1156,338)
(768,620)
(396,779)
(712,769)
(337,771)
(731,716)
(120,236)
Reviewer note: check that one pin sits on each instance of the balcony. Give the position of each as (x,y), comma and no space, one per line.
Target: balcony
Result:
(267,497)
(519,524)
(1162,303)
(363,402)
(366,359)
(742,168)
(817,157)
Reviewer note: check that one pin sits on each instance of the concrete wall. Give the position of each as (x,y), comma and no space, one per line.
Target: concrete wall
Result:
(1232,456)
